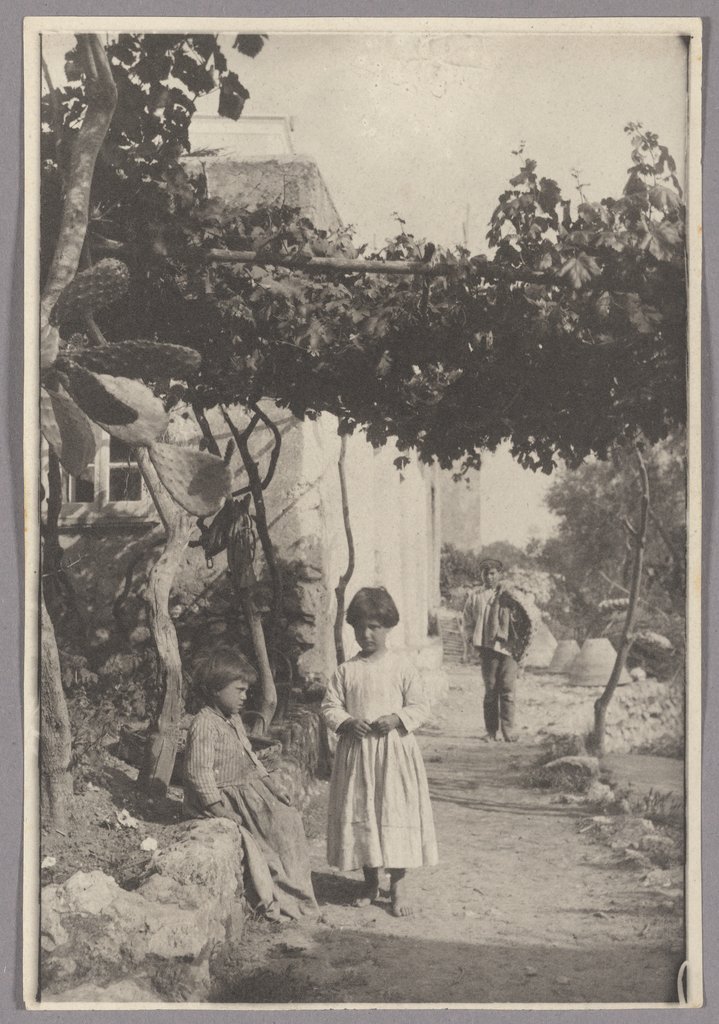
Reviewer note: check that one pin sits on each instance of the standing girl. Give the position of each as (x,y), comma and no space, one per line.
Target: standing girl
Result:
(379,811)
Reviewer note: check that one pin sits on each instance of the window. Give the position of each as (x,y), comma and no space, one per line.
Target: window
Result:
(125,481)
(80,489)
(110,487)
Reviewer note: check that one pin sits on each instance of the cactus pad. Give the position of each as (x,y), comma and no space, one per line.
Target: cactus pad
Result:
(67,430)
(90,290)
(150,421)
(198,481)
(93,397)
(125,408)
(49,346)
(148,360)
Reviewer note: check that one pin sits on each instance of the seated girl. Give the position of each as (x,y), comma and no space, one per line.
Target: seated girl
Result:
(223,778)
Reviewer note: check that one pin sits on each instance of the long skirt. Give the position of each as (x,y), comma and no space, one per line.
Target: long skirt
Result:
(276,854)
(379,811)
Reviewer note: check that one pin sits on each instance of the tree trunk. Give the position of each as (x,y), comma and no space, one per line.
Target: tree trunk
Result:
(601,705)
(51,549)
(346,576)
(55,737)
(268,692)
(56,582)
(163,733)
(102,98)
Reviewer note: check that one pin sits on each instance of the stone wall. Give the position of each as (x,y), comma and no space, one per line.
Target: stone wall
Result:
(102,943)
(644,715)
(287,179)
(306,754)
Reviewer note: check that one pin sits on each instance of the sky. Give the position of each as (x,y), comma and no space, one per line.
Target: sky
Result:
(424,124)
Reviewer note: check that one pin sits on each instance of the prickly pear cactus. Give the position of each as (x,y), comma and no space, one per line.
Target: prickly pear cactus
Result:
(125,408)
(90,290)
(148,360)
(151,419)
(92,396)
(49,346)
(67,430)
(198,481)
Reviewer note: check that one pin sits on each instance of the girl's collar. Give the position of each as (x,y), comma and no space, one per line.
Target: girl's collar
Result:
(216,711)
(375,656)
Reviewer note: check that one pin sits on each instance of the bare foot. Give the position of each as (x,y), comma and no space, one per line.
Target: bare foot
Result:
(368,897)
(401,909)
(401,906)
(273,913)
(369,893)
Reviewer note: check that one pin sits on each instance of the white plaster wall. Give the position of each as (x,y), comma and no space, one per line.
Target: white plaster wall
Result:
(390,515)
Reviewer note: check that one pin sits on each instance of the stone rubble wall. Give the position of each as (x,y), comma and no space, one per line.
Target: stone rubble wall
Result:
(644,715)
(102,943)
(305,756)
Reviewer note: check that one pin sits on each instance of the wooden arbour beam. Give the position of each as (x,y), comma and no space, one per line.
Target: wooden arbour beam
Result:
(343,265)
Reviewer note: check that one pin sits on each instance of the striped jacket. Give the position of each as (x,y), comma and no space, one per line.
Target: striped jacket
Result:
(218,755)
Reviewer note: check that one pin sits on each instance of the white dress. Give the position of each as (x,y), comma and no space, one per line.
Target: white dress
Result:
(379,809)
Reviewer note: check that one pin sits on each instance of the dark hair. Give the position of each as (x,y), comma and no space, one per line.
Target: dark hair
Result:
(490,563)
(373,601)
(212,670)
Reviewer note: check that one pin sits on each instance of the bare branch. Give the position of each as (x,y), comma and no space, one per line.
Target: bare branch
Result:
(628,526)
(624,590)
(341,588)
(258,500)
(276,448)
(204,425)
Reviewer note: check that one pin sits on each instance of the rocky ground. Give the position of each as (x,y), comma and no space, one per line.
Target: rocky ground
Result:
(539,897)
(558,882)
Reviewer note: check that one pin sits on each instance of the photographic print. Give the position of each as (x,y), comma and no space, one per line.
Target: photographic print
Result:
(362,469)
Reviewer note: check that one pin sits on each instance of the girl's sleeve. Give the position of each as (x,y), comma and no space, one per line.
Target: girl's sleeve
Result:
(416,703)
(200,762)
(333,707)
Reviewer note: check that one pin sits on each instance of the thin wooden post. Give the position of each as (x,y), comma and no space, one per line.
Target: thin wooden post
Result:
(163,734)
(640,537)
(346,576)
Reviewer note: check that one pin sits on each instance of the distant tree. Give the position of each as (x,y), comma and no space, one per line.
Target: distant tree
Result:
(461,568)
(593,548)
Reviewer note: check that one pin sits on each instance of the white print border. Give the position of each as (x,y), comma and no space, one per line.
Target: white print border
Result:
(691,28)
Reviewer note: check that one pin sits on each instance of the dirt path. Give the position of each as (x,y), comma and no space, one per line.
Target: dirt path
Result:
(524,907)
